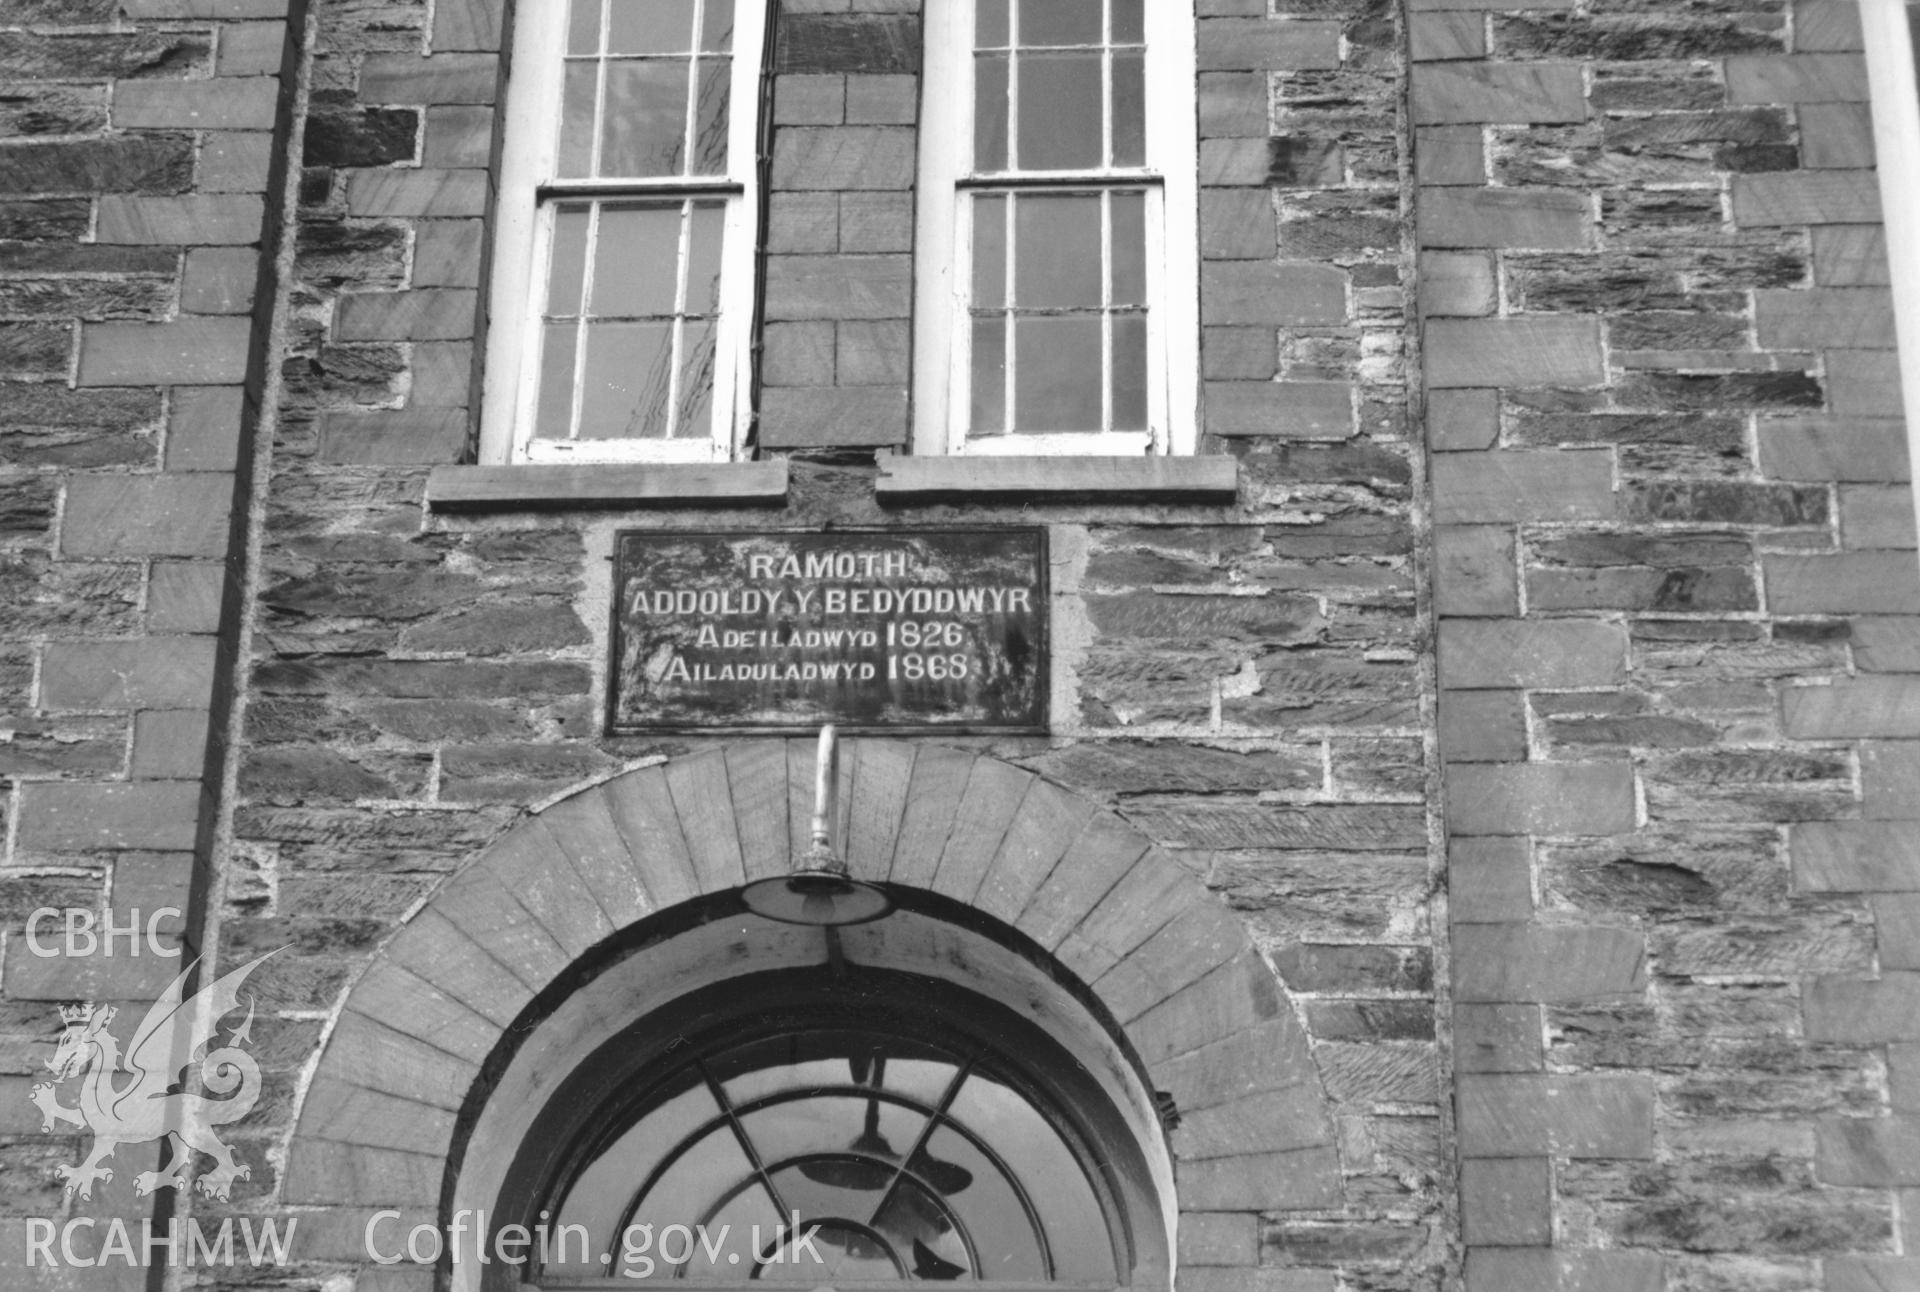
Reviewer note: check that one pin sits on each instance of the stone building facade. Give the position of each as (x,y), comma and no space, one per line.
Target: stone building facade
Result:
(1479,791)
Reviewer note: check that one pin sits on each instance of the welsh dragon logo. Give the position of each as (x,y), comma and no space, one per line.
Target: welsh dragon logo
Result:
(172,1036)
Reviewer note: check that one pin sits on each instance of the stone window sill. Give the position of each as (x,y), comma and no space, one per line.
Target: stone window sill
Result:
(905,481)
(606,485)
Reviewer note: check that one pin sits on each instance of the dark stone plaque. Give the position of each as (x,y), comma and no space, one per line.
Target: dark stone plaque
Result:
(872,630)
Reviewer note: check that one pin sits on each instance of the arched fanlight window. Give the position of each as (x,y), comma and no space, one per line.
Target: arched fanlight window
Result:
(824,1128)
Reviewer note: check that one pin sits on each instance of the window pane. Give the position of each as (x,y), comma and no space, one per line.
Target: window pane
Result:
(607,1187)
(1057,374)
(718,35)
(1129,110)
(1129,216)
(636,265)
(1130,372)
(703,257)
(916,1222)
(1046,1171)
(990,112)
(1127,27)
(1060,22)
(644,132)
(989,252)
(696,379)
(711,117)
(576,119)
(568,266)
(629,366)
(988,1206)
(583,27)
(649,26)
(553,415)
(1057,251)
(989,376)
(990,24)
(1060,102)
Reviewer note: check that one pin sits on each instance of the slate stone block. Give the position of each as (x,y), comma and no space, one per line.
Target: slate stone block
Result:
(467,25)
(1233,105)
(432,192)
(1834,449)
(1483,726)
(1854,1012)
(872,222)
(1826,25)
(1835,136)
(1498,1038)
(1449,155)
(1552,1269)
(803,417)
(1457,283)
(1806,197)
(193,351)
(436,78)
(233,161)
(252,49)
(206,221)
(1267,44)
(203,428)
(872,43)
(1854,856)
(1462,419)
(1554,964)
(1864,383)
(1297,410)
(125,517)
(882,100)
(1556,1116)
(224,103)
(1506,1202)
(1541,93)
(1475,571)
(843,158)
(184,597)
(810,100)
(838,287)
(1889,769)
(1540,798)
(1851,581)
(1237,224)
(1509,485)
(1544,219)
(1820,318)
(1434,37)
(219,280)
(446,253)
(404,437)
(1489,881)
(1532,653)
(160,164)
(425,314)
(1522,351)
(150,673)
(458,136)
(1797,78)
(75,816)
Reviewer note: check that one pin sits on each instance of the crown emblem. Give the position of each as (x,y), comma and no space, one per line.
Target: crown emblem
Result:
(73,1014)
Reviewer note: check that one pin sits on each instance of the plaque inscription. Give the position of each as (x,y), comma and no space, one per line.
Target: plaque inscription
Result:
(869,629)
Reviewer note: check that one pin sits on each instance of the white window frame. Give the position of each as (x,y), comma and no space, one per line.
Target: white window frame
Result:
(528,195)
(943,244)
(1896,143)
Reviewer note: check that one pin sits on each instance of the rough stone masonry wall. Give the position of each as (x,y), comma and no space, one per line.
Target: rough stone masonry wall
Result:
(137,160)
(1243,683)
(1676,588)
